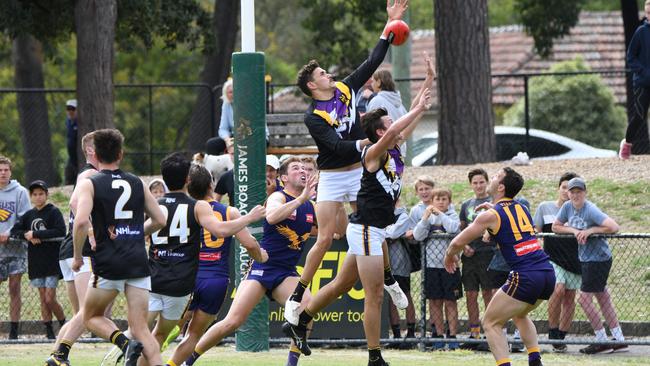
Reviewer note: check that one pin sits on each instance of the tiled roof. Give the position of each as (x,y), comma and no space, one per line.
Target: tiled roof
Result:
(598,38)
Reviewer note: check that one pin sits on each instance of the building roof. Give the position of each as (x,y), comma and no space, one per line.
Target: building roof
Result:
(598,38)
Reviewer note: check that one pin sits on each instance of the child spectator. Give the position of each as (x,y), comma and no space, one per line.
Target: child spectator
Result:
(43,227)
(397,238)
(581,218)
(441,287)
(158,188)
(563,253)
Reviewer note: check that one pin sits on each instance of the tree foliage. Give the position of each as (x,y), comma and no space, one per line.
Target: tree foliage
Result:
(340,32)
(546,20)
(581,107)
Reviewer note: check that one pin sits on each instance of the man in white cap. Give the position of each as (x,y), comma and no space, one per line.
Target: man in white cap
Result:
(71,141)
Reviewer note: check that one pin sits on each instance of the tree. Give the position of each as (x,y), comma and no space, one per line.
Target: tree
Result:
(341,32)
(98,25)
(215,71)
(32,108)
(466,126)
(95,27)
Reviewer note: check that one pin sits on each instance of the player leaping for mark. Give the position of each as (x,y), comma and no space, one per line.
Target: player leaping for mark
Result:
(289,222)
(532,278)
(333,123)
(381,185)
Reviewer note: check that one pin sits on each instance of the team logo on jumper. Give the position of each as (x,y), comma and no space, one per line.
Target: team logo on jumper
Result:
(210,257)
(124,230)
(5,215)
(295,240)
(309,218)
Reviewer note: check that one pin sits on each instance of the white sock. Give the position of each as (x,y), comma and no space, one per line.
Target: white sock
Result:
(618,333)
(601,335)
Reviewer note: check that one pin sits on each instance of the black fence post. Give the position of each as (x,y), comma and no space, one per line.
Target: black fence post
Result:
(422,346)
(150,88)
(526,113)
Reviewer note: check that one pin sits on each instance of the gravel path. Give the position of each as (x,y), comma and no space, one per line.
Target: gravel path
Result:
(634,169)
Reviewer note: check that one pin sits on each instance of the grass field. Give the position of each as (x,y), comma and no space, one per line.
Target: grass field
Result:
(92,354)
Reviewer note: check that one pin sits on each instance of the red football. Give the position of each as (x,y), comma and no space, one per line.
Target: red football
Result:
(397,31)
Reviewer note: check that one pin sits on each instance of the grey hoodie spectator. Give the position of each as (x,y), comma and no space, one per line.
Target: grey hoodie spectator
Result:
(14,202)
(387,97)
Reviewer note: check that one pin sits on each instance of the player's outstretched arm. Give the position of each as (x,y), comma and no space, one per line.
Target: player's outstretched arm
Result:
(205,217)
(475,230)
(392,135)
(247,240)
(85,192)
(276,207)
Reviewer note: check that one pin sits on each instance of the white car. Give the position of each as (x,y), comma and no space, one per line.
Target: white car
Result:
(511,140)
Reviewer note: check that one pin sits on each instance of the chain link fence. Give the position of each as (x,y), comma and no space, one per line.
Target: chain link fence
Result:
(154,118)
(428,322)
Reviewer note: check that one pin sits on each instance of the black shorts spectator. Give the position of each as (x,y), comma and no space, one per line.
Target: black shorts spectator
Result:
(475,272)
(442,285)
(595,275)
(498,278)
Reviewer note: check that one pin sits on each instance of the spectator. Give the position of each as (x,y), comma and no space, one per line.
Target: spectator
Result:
(14,203)
(364,96)
(476,256)
(385,95)
(398,236)
(158,188)
(71,167)
(273,184)
(227,121)
(582,218)
(638,59)
(563,253)
(43,228)
(226,184)
(215,159)
(442,289)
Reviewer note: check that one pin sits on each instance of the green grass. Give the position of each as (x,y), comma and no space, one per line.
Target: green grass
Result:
(87,355)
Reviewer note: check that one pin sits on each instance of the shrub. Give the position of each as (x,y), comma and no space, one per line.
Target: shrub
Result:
(581,107)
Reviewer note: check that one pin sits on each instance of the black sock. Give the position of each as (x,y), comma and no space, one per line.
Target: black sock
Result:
(396,331)
(48,325)
(61,322)
(553,333)
(64,350)
(119,339)
(562,334)
(434,333)
(374,355)
(410,330)
(304,318)
(298,292)
(388,276)
(14,327)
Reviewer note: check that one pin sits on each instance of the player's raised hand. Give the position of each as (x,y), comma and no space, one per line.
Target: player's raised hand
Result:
(257,213)
(310,188)
(397,10)
(425,99)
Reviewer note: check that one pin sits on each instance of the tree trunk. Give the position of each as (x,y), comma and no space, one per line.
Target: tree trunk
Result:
(35,131)
(95,28)
(215,71)
(466,127)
